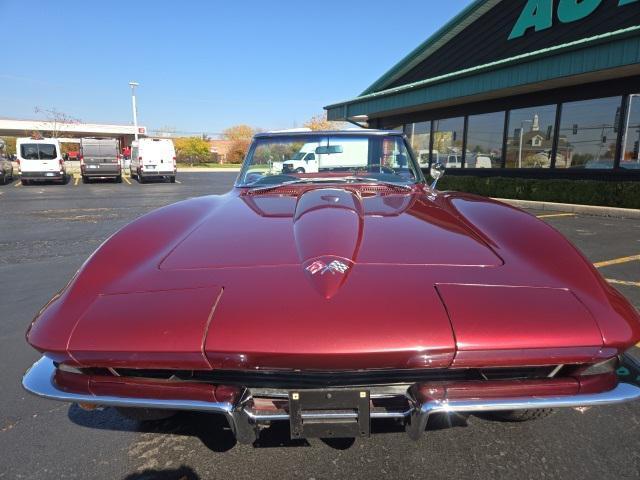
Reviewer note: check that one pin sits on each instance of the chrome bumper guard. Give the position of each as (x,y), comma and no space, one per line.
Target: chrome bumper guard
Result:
(245,423)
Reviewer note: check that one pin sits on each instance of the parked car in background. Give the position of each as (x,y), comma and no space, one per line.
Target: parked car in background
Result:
(6,170)
(100,159)
(454,161)
(40,159)
(335,299)
(423,158)
(153,158)
(483,161)
(6,167)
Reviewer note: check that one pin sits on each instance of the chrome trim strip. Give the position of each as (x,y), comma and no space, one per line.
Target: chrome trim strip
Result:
(273,417)
(623,392)
(39,381)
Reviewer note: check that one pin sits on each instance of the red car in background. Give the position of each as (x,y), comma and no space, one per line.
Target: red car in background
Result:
(334,296)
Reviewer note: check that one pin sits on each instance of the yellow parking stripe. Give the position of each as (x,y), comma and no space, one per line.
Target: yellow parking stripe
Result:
(17,184)
(126,179)
(555,215)
(617,261)
(76,180)
(623,282)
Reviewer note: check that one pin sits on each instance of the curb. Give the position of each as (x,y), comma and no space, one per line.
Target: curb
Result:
(571,208)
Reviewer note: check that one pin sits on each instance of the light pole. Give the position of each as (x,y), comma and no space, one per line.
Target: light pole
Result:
(133,86)
(521,135)
(626,125)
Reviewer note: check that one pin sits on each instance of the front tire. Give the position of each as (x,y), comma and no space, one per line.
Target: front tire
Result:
(300,170)
(119,179)
(172,179)
(140,178)
(85,179)
(24,182)
(521,415)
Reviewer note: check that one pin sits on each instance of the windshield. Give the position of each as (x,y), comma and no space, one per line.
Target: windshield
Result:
(100,150)
(38,151)
(309,158)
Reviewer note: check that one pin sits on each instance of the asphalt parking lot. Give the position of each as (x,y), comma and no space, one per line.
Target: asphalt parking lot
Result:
(47,231)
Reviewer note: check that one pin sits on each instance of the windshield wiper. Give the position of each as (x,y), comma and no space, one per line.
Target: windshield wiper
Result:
(379,182)
(278,185)
(303,181)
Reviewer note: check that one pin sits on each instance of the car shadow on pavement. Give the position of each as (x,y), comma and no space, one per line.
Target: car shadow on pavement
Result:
(182,473)
(214,432)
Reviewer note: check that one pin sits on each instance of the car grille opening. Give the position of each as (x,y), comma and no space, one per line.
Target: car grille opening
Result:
(315,379)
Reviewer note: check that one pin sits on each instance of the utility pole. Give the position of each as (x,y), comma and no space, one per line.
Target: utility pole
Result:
(626,124)
(521,138)
(133,86)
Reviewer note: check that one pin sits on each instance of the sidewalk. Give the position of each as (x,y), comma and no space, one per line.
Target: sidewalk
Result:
(571,208)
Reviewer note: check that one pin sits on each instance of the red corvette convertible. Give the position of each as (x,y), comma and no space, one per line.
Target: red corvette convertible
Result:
(330,288)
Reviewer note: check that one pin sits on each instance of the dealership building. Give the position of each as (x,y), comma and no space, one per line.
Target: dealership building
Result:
(526,88)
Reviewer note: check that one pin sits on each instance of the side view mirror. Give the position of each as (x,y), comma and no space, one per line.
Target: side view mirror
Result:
(437,172)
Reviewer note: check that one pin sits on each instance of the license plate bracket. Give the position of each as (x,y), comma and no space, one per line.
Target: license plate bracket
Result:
(329,413)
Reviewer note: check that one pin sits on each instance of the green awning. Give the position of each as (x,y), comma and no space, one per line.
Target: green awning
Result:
(598,54)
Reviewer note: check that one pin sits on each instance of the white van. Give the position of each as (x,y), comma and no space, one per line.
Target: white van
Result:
(313,157)
(153,158)
(482,161)
(423,157)
(40,159)
(453,161)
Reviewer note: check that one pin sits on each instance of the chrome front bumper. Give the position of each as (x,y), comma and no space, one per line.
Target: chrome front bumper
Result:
(245,423)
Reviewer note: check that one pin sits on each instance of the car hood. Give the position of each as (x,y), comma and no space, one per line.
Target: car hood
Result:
(262,229)
(334,278)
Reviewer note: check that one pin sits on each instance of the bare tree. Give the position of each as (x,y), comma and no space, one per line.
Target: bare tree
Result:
(55,120)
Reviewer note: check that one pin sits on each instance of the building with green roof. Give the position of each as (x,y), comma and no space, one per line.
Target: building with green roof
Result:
(527,88)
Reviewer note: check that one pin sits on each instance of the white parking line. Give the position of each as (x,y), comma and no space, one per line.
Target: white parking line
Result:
(617,261)
(555,215)
(623,282)
(18,183)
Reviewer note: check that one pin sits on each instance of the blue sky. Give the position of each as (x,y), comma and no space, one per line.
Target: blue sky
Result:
(203,66)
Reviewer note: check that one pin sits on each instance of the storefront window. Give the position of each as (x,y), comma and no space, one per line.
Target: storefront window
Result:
(419,135)
(484,140)
(530,138)
(447,141)
(631,158)
(588,133)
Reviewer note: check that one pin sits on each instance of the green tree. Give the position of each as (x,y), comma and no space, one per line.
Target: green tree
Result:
(320,122)
(239,132)
(192,150)
(240,136)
